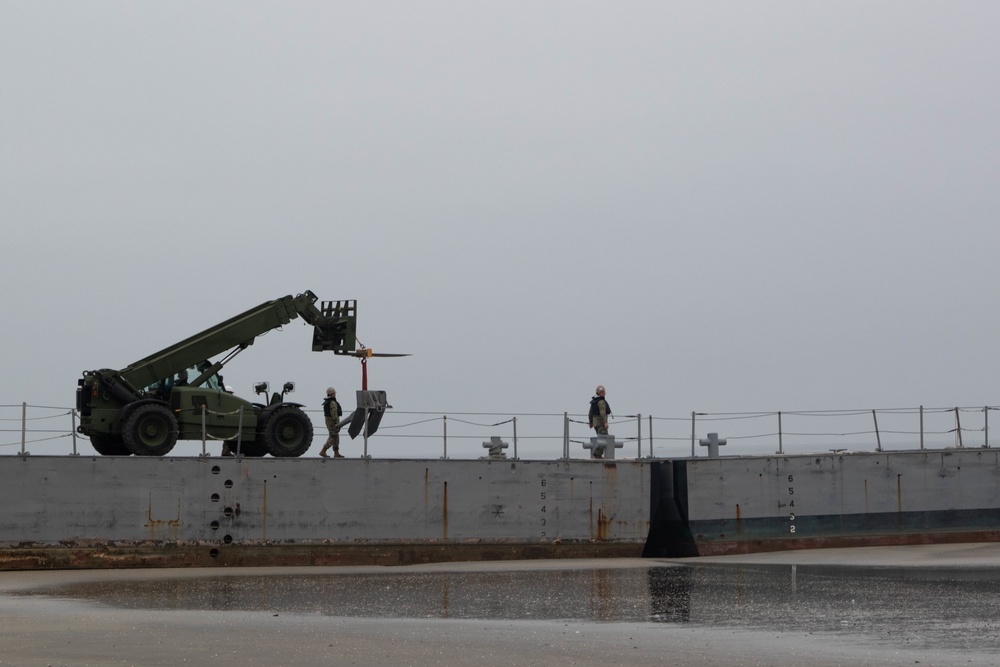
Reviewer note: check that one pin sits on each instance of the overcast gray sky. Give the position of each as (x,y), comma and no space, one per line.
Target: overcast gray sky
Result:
(715,207)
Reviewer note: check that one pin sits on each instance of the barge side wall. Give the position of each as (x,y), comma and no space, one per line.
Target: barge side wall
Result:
(741,505)
(139,512)
(106,510)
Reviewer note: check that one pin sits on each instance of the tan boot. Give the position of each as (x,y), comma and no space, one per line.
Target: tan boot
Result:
(323,453)
(337,454)
(226,451)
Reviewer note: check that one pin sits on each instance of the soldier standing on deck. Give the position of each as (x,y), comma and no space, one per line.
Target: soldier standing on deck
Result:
(600,411)
(332,412)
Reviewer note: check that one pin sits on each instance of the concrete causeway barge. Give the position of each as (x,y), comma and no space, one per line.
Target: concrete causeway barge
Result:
(120,511)
(136,505)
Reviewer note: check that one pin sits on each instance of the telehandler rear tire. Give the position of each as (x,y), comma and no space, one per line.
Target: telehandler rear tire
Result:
(150,430)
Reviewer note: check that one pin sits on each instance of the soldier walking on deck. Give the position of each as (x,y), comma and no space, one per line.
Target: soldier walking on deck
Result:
(332,412)
(600,411)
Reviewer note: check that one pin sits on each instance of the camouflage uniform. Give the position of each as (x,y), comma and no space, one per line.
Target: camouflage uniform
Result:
(600,411)
(332,412)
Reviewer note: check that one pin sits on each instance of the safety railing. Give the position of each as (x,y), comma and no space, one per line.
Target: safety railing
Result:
(23,424)
(232,441)
(26,429)
(567,435)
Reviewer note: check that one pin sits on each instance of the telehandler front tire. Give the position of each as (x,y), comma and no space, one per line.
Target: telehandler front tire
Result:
(288,432)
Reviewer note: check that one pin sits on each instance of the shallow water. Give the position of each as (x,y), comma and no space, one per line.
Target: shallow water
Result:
(919,608)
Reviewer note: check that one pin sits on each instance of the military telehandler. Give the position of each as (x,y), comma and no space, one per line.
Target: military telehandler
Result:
(178,394)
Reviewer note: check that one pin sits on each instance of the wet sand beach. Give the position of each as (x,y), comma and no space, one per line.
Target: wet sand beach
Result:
(779,609)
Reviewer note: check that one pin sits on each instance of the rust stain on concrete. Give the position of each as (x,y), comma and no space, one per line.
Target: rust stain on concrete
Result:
(603,522)
(154,526)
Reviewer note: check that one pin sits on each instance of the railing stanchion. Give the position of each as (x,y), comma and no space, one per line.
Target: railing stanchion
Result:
(958,428)
(24,425)
(565,435)
(444,421)
(515,437)
(878,437)
(921,427)
(692,434)
(781,444)
(638,421)
(650,436)
(204,430)
(73,432)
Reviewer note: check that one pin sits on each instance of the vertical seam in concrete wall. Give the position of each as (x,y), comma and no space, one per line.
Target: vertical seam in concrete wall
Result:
(444,513)
(899,493)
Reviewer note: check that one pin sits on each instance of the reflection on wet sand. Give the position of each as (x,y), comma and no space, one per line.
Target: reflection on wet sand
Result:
(941,607)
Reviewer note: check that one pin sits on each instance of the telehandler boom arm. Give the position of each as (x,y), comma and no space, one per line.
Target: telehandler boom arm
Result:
(334,328)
